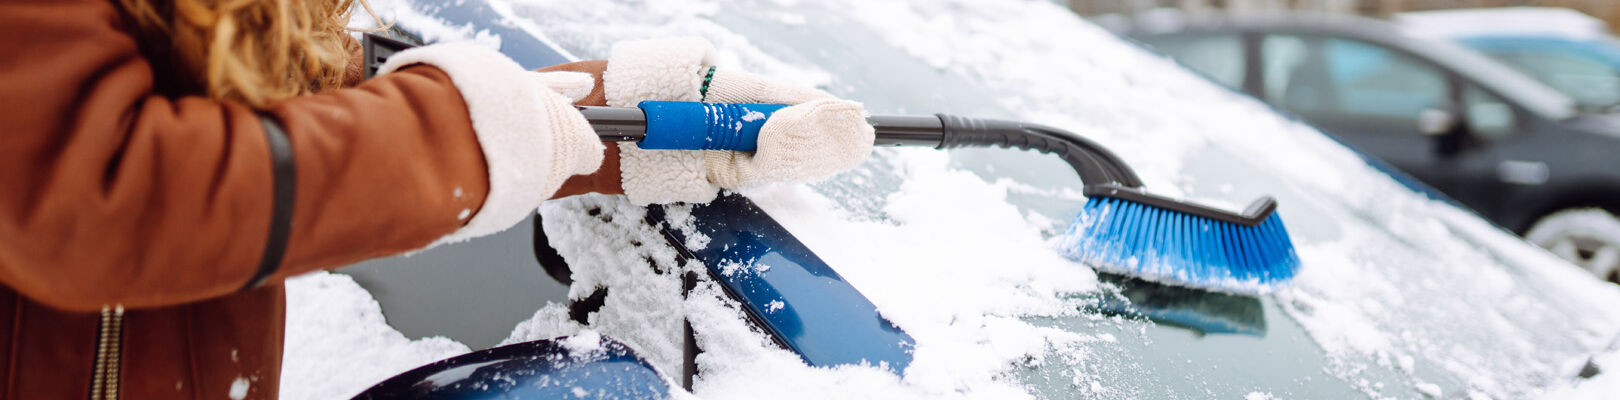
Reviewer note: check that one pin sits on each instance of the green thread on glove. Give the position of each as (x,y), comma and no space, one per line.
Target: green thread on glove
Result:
(703,91)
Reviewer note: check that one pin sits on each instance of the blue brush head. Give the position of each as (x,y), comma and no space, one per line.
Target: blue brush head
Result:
(1172,247)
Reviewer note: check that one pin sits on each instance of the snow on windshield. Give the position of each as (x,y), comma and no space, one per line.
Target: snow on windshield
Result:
(1392,281)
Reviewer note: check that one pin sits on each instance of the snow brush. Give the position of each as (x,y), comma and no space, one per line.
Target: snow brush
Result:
(1122,228)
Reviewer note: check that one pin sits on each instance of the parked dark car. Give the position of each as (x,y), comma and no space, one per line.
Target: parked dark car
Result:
(1571,52)
(1495,140)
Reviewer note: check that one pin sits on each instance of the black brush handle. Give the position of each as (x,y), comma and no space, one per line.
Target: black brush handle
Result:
(1103,172)
(1095,164)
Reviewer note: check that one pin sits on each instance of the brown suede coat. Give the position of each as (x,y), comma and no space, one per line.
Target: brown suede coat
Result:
(113,196)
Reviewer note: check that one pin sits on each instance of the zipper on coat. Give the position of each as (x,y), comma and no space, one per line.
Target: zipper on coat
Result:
(104,378)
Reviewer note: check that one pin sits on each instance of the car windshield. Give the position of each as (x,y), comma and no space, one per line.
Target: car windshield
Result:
(1399,295)
(1586,69)
(1528,92)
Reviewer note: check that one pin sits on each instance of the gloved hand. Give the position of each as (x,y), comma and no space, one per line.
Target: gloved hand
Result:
(814,139)
(577,149)
(531,135)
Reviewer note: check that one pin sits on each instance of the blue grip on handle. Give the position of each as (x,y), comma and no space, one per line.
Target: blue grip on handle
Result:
(680,125)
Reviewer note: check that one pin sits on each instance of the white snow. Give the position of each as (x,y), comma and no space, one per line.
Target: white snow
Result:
(1604,386)
(752,116)
(642,308)
(680,217)
(239,388)
(1503,21)
(1395,286)
(586,341)
(1431,390)
(432,29)
(338,343)
(965,327)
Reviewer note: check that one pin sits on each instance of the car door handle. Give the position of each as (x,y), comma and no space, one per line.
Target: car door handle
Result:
(1520,172)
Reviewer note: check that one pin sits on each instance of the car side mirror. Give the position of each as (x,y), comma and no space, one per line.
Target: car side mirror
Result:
(1436,122)
(1441,127)
(1490,120)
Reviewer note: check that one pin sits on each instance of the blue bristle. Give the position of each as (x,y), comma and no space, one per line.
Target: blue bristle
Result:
(1171,247)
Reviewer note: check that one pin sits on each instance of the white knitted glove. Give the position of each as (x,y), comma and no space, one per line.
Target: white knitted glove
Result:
(576,149)
(729,86)
(814,139)
(532,137)
(573,86)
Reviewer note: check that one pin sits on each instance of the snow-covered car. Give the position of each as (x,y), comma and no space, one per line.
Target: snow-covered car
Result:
(1399,295)
(1567,50)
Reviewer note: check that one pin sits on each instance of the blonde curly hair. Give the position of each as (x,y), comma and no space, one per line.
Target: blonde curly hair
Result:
(252,51)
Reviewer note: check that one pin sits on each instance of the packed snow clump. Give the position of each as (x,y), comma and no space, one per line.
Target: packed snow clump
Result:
(338,343)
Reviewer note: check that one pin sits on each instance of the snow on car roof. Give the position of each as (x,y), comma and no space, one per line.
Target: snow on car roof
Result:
(1502,21)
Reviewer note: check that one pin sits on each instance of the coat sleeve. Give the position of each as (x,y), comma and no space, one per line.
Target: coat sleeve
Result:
(110,194)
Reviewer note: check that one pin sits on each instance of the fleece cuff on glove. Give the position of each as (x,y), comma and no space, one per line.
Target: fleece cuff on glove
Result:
(531,136)
(662,69)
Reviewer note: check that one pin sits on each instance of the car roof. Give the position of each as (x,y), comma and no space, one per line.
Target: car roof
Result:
(1477,68)
(1281,22)
(1504,21)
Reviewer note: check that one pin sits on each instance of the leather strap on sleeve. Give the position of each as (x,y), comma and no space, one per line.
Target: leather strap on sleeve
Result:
(285,184)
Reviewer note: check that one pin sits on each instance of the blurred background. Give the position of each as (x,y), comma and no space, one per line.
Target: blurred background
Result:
(1606,10)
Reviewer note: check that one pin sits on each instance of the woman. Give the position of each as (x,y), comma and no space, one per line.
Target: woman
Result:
(167,163)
